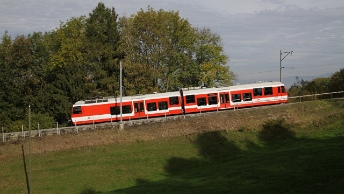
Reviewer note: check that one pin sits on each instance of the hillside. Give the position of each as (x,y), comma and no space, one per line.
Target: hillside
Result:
(291,148)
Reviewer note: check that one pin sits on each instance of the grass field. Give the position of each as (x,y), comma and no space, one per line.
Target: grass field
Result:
(296,148)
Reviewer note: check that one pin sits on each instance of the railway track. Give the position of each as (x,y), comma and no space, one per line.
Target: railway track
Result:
(14,136)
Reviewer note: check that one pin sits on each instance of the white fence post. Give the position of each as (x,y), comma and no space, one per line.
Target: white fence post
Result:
(3,135)
(23,133)
(77,130)
(57,128)
(39,132)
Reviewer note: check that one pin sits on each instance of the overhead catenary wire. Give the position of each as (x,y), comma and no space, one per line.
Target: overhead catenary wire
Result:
(292,68)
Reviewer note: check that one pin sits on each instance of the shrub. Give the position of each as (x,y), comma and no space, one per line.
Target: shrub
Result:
(276,130)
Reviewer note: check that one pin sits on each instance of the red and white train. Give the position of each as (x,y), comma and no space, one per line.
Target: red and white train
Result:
(176,103)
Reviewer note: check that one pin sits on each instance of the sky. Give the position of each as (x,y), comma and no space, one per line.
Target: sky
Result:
(253,32)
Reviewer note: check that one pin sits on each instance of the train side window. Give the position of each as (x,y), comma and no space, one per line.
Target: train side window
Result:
(142,109)
(139,107)
(221,98)
(114,110)
(236,97)
(279,90)
(136,107)
(151,106)
(190,99)
(268,91)
(212,98)
(163,105)
(126,109)
(77,110)
(247,96)
(257,91)
(174,100)
(201,101)
(283,89)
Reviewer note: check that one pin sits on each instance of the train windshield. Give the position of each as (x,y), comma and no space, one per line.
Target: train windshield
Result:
(77,110)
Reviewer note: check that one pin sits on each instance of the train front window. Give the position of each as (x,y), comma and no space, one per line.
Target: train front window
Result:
(77,110)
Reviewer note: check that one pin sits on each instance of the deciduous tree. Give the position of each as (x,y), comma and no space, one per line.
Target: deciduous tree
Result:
(164,52)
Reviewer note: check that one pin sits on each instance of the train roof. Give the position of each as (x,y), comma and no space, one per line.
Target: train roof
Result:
(235,87)
(186,91)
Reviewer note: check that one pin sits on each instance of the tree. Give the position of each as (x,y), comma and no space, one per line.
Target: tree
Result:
(40,49)
(156,45)
(164,52)
(298,87)
(318,86)
(336,82)
(69,60)
(7,110)
(101,31)
(68,79)
(211,60)
(303,87)
(19,81)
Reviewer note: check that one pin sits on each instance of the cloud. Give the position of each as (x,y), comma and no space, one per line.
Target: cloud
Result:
(253,32)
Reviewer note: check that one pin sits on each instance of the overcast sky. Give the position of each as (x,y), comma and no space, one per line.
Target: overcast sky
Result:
(253,31)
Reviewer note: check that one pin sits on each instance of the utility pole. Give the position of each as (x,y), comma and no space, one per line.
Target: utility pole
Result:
(281,59)
(30,171)
(121,125)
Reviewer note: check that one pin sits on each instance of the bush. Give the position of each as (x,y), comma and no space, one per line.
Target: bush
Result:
(276,130)
(44,121)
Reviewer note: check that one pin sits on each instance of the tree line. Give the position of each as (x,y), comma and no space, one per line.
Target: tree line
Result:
(334,83)
(78,60)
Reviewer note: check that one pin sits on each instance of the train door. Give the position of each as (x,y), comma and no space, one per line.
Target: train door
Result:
(224,100)
(281,91)
(139,109)
(182,100)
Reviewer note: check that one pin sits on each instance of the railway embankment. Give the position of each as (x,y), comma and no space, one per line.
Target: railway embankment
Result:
(299,115)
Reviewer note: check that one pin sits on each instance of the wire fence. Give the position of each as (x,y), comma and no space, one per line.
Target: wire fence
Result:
(76,129)
(311,97)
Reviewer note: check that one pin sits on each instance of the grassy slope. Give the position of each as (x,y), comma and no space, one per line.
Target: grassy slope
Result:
(302,154)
